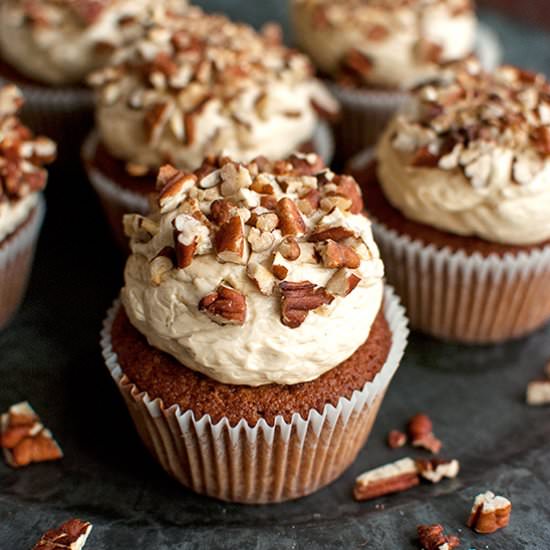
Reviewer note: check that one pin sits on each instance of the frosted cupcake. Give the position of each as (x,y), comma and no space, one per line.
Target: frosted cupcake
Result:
(254,341)
(22,178)
(194,86)
(373,51)
(461,195)
(49,47)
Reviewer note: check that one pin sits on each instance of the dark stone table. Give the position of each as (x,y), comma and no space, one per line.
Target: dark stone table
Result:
(50,356)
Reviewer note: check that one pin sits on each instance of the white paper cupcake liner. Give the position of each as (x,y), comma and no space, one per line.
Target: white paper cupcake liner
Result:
(464,297)
(63,114)
(16,258)
(117,201)
(366,113)
(261,463)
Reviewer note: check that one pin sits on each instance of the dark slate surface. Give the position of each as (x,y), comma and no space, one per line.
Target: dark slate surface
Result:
(50,356)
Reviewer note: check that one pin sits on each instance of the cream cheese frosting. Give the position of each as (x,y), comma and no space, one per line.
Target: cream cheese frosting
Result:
(200,85)
(61,41)
(384,43)
(22,157)
(471,156)
(255,274)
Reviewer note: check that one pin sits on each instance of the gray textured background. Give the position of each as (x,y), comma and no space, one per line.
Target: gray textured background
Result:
(50,356)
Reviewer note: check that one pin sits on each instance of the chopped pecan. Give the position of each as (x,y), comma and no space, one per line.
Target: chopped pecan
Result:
(391,478)
(298,299)
(432,537)
(156,119)
(542,140)
(310,202)
(489,513)
(358,62)
(221,211)
(334,201)
(538,392)
(260,241)
(230,241)
(289,249)
(263,278)
(322,233)
(174,186)
(226,306)
(267,222)
(429,51)
(435,470)
(71,535)
(396,439)
(24,439)
(424,159)
(159,266)
(306,164)
(336,255)
(269,202)
(377,33)
(346,186)
(343,282)
(290,219)
(421,434)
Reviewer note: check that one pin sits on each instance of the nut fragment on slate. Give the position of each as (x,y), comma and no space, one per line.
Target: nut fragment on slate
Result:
(538,392)
(435,470)
(432,537)
(72,535)
(24,438)
(392,478)
(396,439)
(421,434)
(489,513)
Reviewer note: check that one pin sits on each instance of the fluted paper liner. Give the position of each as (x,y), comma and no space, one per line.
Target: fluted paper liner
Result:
(64,114)
(262,463)
(464,297)
(117,201)
(366,112)
(16,258)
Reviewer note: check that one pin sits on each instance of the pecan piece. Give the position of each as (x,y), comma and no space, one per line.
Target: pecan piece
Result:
(435,470)
(396,439)
(421,434)
(290,219)
(306,164)
(489,513)
(174,186)
(298,299)
(24,439)
(343,282)
(71,535)
(230,241)
(432,537)
(346,186)
(391,478)
(289,249)
(221,211)
(336,255)
(358,63)
(226,306)
(155,121)
(424,159)
(322,233)
(538,392)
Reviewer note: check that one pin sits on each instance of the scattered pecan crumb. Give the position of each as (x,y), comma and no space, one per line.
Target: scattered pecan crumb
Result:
(489,513)
(71,535)
(436,469)
(421,434)
(432,537)
(396,439)
(24,439)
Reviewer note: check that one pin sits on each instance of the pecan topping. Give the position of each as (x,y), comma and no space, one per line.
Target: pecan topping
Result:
(174,186)
(396,439)
(331,233)
(230,241)
(489,513)
(358,63)
(290,219)
(71,535)
(346,186)
(336,255)
(226,306)
(24,438)
(298,299)
(432,537)
(343,282)
(289,249)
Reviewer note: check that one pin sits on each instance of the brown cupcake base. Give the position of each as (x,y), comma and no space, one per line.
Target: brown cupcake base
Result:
(277,450)
(457,288)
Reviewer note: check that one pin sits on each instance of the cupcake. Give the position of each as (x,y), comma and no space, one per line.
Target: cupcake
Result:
(373,51)
(22,178)
(49,47)
(194,86)
(254,340)
(461,194)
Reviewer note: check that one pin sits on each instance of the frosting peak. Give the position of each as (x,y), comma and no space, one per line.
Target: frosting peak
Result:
(256,273)
(200,84)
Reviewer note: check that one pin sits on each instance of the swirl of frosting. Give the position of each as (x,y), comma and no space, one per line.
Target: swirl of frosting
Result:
(384,43)
(22,157)
(200,84)
(257,273)
(62,41)
(471,155)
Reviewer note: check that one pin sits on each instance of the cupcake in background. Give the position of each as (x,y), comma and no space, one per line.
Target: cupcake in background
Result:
(255,340)
(461,194)
(22,207)
(194,86)
(49,47)
(374,51)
